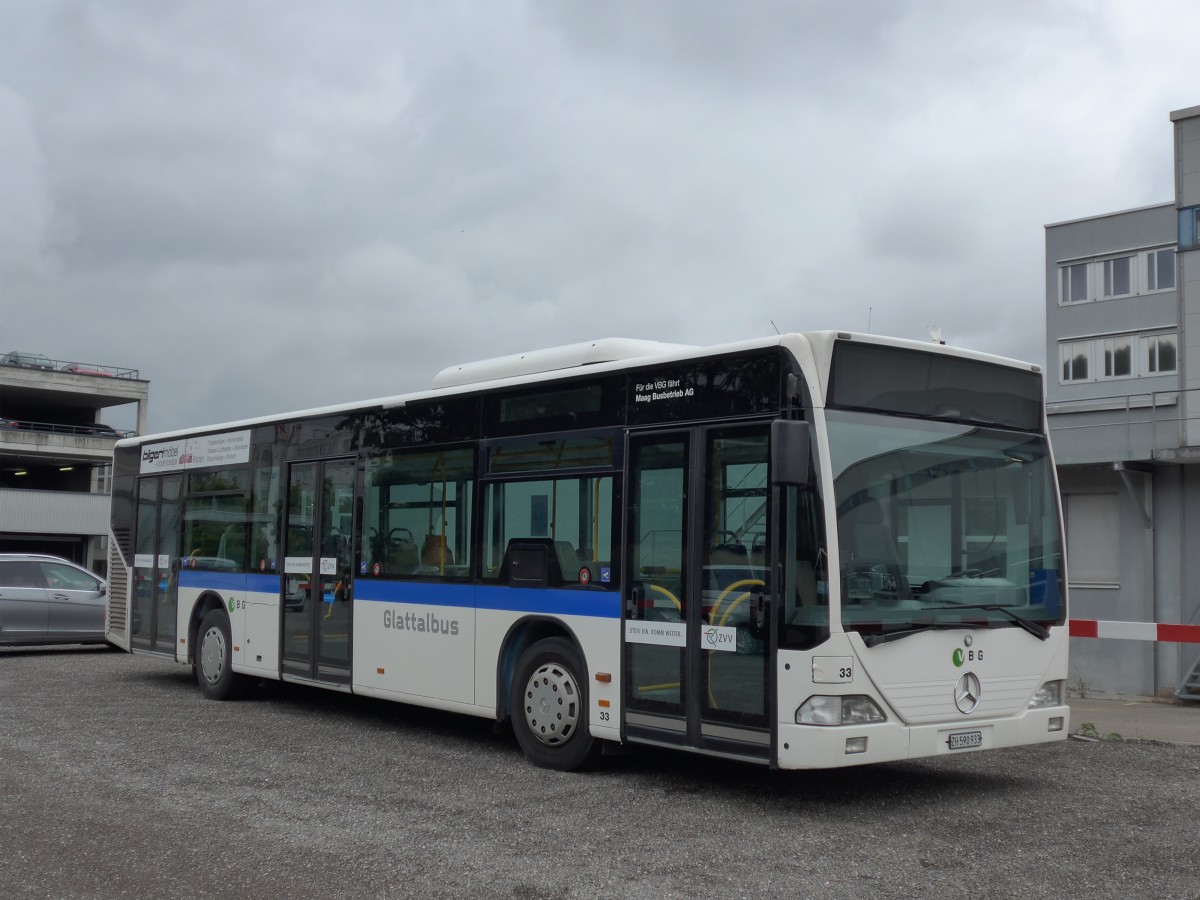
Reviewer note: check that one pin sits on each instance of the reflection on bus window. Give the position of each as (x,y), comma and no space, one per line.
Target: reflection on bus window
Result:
(417,514)
(943,518)
(573,514)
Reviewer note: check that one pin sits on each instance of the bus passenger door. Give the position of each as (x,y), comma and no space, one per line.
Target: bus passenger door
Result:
(156,564)
(696,625)
(318,578)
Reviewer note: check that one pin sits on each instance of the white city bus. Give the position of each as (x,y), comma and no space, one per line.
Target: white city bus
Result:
(810,551)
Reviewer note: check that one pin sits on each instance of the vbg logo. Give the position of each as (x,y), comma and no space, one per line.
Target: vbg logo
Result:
(960,656)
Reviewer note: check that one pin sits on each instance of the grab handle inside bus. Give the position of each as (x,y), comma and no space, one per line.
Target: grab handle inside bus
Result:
(790,449)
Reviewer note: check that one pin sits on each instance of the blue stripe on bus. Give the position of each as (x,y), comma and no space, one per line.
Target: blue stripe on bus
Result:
(556,601)
(424,592)
(229,581)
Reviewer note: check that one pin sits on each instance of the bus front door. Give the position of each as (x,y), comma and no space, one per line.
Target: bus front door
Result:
(156,564)
(696,629)
(318,576)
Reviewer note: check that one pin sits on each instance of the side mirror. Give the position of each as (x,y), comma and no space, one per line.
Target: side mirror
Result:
(791,452)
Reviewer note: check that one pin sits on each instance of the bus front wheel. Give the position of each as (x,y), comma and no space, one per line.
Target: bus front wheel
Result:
(214,659)
(549,706)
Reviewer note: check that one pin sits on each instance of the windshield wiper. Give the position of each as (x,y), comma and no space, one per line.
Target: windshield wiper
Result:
(1038,631)
(872,640)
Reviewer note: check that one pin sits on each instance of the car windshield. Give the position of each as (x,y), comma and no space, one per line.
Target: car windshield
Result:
(943,525)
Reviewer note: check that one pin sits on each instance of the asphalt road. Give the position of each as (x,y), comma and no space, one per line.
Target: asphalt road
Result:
(118,780)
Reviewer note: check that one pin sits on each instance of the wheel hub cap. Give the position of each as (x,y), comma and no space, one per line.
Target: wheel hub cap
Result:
(552,705)
(212,655)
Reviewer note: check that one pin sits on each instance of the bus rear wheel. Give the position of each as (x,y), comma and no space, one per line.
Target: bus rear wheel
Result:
(549,706)
(214,659)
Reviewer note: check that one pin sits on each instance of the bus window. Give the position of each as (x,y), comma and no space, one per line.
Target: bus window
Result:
(215,518)
(805,576)
(573,514)
(417,514)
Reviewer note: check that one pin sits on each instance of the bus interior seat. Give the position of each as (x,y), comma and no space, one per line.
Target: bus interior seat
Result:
(867,542)
(530,562)
(402,556)
(435,551)
(570,564)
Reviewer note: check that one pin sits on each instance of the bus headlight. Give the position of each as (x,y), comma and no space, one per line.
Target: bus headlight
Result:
(856,709)
(1049,694)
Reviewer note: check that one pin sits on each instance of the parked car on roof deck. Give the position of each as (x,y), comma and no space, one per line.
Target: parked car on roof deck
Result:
(27,360)
(101,430)
(46,599)
(77,369)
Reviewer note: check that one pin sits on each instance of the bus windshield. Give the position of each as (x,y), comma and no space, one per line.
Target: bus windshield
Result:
(943,525)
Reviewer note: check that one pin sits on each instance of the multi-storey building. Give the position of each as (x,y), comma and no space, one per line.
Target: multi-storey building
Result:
(1123,392)
(56,456)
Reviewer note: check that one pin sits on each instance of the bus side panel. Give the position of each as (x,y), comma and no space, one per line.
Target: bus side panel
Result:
(415,639)
(592,617)
(259,644)
(252,604)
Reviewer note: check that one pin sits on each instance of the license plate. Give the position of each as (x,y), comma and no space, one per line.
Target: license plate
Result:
(963,740)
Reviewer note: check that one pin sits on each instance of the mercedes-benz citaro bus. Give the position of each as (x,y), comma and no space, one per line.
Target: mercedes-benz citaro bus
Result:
(807,551)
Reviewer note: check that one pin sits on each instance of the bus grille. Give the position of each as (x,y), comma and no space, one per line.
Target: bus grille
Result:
(930,702)
(118,592)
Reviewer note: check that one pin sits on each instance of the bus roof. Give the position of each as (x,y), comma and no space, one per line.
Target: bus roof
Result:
(600,356)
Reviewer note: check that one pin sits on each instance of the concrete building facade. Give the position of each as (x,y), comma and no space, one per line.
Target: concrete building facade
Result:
(56,456)
(1123,399)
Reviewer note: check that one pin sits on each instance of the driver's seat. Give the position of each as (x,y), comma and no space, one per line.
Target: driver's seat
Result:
(867,544)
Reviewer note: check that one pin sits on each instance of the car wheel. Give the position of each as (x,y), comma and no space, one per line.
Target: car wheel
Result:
(214,659)
(549,706)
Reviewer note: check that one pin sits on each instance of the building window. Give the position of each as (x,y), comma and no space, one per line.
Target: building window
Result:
(1074,283)
(1160,270)
(1118,276)
(1074,358)
(1102,359)
(1160,354)
(1118,357)
(1188,232)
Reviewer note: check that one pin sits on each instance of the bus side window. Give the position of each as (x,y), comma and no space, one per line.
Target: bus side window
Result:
(417,514)
(571,518)
(806,592)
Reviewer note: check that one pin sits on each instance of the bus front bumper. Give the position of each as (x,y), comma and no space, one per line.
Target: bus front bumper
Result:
(834,746)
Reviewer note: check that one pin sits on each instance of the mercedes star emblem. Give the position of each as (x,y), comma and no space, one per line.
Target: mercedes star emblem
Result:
(966,693)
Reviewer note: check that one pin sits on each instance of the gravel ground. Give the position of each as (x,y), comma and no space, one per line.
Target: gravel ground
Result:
(118,780)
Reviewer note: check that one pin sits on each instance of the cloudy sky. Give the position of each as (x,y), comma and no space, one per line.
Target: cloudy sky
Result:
(266,206)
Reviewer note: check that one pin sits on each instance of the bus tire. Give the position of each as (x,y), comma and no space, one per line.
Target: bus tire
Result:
(549,706)
(214,659)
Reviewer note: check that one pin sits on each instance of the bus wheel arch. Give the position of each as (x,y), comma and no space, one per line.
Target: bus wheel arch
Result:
(548,704)
(521,636)
(204,604)
(212,658)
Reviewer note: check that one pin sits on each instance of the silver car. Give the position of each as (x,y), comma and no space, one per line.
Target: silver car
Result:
(48,600)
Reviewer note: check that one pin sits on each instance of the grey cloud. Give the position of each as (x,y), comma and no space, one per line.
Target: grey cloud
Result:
(272,206)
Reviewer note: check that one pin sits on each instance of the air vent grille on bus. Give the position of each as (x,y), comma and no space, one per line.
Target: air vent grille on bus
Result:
(124,537)
(118,587)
